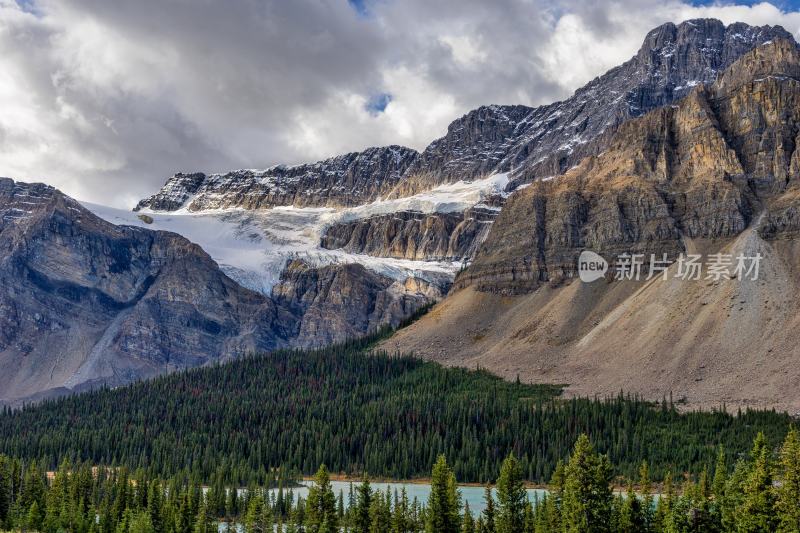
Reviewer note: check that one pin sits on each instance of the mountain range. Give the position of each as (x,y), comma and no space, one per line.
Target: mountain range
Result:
(688,147)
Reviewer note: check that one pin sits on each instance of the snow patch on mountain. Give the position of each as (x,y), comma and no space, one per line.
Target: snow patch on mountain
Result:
(253,246)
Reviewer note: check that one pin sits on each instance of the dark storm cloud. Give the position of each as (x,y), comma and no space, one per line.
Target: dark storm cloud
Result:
(106,98)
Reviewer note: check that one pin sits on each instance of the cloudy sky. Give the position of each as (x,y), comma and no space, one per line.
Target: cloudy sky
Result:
(107,98)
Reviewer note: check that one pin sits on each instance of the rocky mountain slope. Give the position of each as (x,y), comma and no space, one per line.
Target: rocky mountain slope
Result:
(689,146)
(414,235)
(527,143)
(539,142)
(85,302)
(717,172)
(345,180)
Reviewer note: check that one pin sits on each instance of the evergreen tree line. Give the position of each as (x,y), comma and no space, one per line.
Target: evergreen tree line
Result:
(760,493)
(362,412)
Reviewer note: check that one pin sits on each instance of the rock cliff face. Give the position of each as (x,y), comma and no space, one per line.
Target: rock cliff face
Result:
(338,302)
(84,302)
(717,172)
(545,141)
(529,142)
(413,235)
(699,169)
(346,180)
(684,147)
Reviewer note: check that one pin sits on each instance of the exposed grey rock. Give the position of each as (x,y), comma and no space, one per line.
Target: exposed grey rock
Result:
(529,142)
(346,180)
(413,235)
(545,141)
(338,302)
(700,169)
(84,302)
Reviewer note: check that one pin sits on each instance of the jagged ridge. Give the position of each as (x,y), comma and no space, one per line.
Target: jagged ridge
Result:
(528,142)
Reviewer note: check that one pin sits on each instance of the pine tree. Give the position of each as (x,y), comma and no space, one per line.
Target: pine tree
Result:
(511,497)
(467,524)
(140,523)
(757,511)
(489,511)
(363,502)
(788,498)
(321,504)
(444,502)
(202,523)
(588,500)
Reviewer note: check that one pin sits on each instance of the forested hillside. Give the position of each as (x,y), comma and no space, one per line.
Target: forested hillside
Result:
(760,493)
(362,413)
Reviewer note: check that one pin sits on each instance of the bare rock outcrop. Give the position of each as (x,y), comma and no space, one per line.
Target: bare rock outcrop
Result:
(338,302)
(84,302)
(414,235)
(700,168)
(530,143)
(545,141)
(345,180)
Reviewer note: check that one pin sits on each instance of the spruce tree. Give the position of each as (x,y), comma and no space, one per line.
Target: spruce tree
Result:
(646,498)
(444,501)
(380,514)
(733,496)
(587,501)
(530,518)
(254,518)
(488,511)
(362,505)
(203,523)
(467,524)
(625,519)
(757,511)
(5,489)
(511,497)
(401,520)
(34,518)
(788,498)
(321,504)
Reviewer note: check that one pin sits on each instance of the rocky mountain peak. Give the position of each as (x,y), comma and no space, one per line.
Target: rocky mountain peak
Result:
(529,143)
(345,180)
(777,58)
(705,167)
(552,138)
(85,302)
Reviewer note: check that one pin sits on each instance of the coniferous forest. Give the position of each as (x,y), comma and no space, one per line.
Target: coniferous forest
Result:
(364,413)
(761,492)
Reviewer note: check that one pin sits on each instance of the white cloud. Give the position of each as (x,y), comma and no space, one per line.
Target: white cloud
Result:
(105,98)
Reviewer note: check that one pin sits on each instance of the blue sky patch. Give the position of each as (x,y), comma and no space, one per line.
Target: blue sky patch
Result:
(377,103)
(29,6)
(360,6)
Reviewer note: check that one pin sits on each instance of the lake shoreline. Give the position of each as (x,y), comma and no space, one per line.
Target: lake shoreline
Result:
(344,478)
